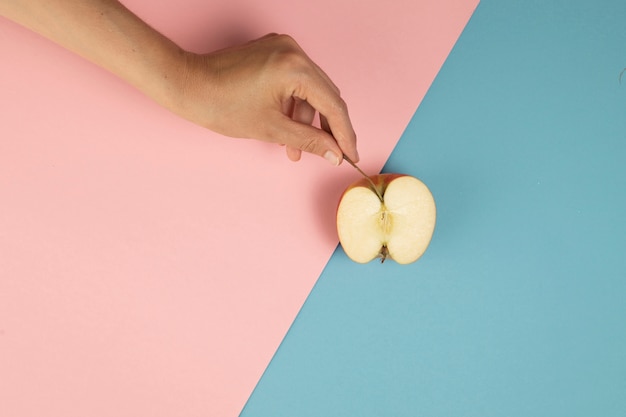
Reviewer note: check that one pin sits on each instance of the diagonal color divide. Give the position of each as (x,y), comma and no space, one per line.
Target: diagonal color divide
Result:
(150,267)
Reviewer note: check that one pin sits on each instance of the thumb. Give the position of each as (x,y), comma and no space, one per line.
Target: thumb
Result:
(312,140)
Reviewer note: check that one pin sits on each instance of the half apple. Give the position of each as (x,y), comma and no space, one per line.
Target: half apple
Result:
(393,216)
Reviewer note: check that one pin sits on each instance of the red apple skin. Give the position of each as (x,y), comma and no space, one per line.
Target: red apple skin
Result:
(380,181)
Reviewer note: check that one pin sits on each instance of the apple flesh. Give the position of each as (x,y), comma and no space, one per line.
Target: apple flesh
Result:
(393,216)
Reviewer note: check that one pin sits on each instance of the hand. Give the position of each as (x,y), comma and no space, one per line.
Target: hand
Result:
(267,89)
(270,90)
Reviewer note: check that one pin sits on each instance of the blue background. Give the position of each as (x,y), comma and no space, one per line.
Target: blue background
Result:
(518,308)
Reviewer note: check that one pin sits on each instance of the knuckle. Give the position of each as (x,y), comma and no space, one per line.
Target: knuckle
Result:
(288,56)
(337,110)
(293,60)
(286,40)
(340,106)
(308,145)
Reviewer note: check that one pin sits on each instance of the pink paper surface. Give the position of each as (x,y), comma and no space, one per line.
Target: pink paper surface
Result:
(151,267)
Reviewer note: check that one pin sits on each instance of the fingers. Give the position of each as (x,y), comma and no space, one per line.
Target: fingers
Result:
(324,96)
(300,137)
(313,86)
(324,124)
(294,154)
(304,113)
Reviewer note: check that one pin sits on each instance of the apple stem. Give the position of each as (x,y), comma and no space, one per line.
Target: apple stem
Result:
(380,197)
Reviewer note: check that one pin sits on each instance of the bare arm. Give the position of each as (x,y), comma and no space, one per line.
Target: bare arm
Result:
(267,89)
(106,33)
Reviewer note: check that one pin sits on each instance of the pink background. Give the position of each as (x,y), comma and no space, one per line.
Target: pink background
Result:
(151,267)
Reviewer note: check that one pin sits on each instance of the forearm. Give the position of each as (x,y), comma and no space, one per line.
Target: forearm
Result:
(109,35)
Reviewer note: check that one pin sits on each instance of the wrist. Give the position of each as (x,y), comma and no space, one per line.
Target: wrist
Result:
(188,86)
(165,75)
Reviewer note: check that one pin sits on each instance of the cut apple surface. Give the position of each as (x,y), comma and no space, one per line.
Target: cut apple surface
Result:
(393,216)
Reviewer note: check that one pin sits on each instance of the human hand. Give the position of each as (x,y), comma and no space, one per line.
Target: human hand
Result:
(267,89)
(270,90)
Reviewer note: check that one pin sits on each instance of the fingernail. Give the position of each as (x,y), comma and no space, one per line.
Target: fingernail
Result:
(356,153)
(331,157)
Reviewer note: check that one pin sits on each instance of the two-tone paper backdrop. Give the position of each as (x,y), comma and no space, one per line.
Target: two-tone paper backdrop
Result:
(150,267)
(518,308)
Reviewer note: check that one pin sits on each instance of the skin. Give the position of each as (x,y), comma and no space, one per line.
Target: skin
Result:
(267,89)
